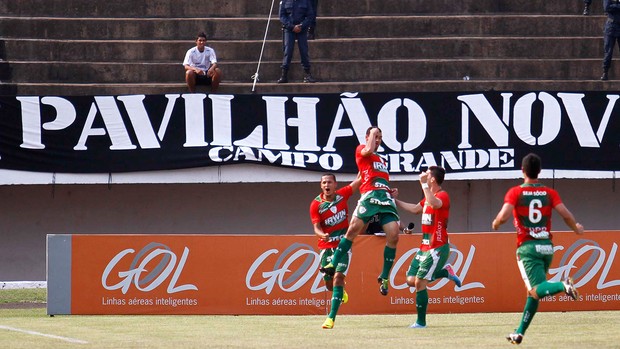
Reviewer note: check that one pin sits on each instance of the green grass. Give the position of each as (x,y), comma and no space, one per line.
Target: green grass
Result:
(549,330)
(26,295)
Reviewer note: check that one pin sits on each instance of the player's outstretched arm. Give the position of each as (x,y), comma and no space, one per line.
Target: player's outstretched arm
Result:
(569,219)
(502,216)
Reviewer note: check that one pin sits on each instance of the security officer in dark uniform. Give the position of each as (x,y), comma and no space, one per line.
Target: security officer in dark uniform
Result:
(586,7)
(312,29)
(611,33)
(296,16)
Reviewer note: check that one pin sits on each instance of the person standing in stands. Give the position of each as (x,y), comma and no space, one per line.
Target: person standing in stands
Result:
(296,16)
(531,205)
(586,7)
(201,66)
(329,213)
(312,28)
(611,33)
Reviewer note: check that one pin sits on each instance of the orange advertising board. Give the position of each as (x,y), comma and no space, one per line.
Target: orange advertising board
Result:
(249,274)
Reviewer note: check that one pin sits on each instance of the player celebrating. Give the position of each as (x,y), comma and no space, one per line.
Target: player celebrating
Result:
(376,199)
(531,205)
(329,213)
(429,262)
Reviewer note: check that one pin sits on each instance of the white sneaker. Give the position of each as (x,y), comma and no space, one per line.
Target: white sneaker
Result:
(417,325)
(515,338)
(570,289)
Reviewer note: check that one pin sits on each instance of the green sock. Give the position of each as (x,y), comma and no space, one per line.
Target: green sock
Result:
(421,302)
(549,288)
(343,247)
(531,305)
(336,300)
(389,254)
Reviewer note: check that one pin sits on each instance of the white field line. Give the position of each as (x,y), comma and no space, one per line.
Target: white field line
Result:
(11,285)
(66,339)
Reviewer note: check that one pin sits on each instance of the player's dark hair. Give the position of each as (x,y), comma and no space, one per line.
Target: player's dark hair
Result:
(531,165)
(201,35)
(370,129)
(438,172)
(329,174)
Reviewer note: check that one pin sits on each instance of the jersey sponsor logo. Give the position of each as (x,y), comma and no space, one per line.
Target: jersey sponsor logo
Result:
(426,242)
(335,238)
(381,185)
(379,202)
(544,249)
(439,232)
(427,219)
(541,234)
(380,166)
(336,219)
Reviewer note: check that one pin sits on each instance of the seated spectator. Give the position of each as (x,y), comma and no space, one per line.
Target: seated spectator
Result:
(201,66)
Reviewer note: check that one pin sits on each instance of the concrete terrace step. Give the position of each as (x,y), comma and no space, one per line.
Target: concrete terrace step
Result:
(328,27)
(87,47)
(245,8)
(332,71)
(65,89)
(345,49)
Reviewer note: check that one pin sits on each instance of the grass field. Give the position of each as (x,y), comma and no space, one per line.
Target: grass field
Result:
(32,328)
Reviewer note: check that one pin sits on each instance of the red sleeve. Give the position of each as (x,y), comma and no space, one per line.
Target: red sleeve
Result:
(445,199)
(512,196)
(346,191)
(315,217)
(555,198)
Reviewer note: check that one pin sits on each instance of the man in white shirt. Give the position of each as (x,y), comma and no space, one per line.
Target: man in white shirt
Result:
(201,66)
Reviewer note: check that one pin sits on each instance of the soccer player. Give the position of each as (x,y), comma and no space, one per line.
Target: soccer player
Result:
(531,204)
(376,199)
(429,263)
(329,213)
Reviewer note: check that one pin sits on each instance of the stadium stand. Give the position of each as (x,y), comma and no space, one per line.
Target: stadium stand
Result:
(85,47)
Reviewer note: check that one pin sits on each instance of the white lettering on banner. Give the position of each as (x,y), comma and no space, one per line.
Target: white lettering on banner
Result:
(270,141)
(328,161)
(153,279)
(497,128)
(589,269)
(278,275)
(31,118)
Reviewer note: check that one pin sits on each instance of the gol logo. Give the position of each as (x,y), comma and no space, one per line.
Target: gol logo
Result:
(137,274)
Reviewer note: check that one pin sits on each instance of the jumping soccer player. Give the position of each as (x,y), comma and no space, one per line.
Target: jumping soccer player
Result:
(376,199)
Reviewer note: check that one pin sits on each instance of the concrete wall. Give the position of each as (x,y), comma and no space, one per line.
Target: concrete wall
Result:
(29,212)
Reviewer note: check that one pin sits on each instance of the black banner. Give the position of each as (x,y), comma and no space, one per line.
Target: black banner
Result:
(471,133)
